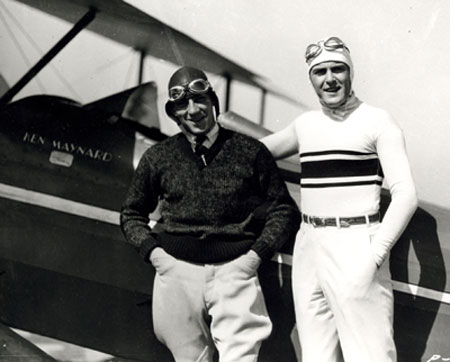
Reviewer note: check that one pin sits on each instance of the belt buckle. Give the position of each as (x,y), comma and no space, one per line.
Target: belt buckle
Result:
(344,224)
(318,222)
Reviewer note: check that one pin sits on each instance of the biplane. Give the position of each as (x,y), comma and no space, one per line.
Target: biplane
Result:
(65,270)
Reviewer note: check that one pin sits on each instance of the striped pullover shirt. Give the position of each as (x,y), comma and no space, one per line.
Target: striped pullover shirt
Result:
(344,164)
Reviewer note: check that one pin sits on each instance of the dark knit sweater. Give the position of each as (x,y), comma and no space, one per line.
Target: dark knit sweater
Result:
(209,214)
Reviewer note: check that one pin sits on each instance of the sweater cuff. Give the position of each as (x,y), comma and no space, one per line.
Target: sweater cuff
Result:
(263,250)
(146,248)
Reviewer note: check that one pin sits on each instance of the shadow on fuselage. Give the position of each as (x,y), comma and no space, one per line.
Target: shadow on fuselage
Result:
(414,316)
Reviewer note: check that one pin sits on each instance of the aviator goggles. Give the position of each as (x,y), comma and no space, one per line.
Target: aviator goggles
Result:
(197,86)
(332,43)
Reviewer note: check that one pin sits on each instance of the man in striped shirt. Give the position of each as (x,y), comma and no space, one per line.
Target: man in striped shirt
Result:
(341,280)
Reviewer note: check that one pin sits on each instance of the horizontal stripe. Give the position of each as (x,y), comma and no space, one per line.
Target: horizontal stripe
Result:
(336,152)
(403,287)
(59,204)
(112,217)
(340,157)
(343,179)
(419,291)
(340,168)
(340,184)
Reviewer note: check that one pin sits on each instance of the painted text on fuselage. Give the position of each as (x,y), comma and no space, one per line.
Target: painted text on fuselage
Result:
(68,147)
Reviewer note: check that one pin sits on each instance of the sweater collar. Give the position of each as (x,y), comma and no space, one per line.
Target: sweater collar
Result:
(222,135)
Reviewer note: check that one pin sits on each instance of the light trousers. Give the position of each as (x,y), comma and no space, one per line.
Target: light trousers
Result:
(198,308)
(343,301)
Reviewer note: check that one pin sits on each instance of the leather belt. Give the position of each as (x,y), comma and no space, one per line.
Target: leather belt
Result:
(340,221)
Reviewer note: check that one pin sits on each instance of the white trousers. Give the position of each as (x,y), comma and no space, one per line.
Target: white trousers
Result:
(343,302)
(198,308)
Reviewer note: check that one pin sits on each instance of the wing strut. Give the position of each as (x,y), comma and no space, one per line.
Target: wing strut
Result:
(228,79)
(142,55)
(16,88)
(262,112)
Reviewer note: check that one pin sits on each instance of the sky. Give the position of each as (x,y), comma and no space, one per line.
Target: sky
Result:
(400,50)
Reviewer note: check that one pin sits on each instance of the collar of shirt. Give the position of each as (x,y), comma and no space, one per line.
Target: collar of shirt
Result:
(211,137)
(343,111)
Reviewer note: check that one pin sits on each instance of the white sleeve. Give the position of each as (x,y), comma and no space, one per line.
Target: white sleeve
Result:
(394,162)
(283,143)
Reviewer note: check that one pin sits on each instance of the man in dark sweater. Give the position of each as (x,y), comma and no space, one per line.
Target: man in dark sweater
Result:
(224,208)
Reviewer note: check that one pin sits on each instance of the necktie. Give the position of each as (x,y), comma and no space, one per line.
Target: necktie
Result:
(199,149)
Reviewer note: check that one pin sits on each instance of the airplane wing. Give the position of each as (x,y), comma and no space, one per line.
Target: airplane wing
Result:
(130,26)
